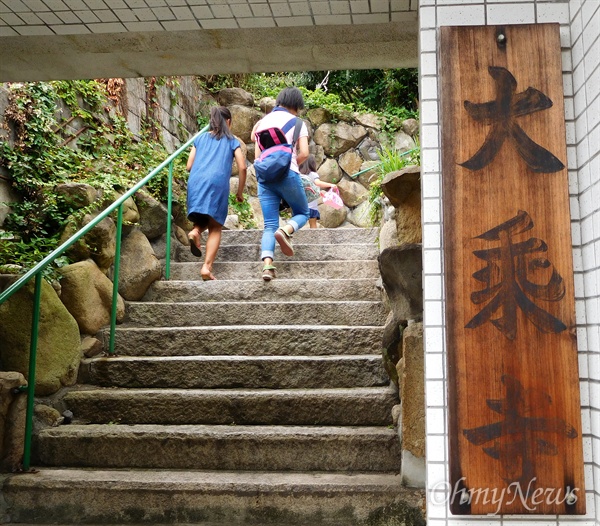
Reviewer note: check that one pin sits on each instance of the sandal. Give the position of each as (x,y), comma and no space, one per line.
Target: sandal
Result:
(285,243)
(194,248)
(268,272)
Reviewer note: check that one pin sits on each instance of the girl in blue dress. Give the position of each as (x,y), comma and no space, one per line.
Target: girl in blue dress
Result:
(209,165)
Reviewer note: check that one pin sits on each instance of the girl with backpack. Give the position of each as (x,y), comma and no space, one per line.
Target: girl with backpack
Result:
(209,164)
(288,103)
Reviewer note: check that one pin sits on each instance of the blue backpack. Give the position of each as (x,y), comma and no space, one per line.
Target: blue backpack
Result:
(276,153)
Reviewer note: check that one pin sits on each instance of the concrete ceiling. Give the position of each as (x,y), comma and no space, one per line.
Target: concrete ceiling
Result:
(74,39)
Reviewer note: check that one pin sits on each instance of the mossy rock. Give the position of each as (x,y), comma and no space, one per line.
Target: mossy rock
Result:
(58,350)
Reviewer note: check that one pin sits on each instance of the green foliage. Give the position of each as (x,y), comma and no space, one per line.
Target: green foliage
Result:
(391,161)
(243,211)
(107,156)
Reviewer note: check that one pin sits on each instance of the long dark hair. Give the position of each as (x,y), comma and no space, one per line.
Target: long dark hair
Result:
(219,115)
(310,165)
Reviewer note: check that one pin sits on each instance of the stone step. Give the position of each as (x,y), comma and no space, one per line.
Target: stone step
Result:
(324,236)
(302,252)
(255,448)
(193,314)
(248,340)
(248,270)
(229,372)
(360,406)
(161,497)
(258,290)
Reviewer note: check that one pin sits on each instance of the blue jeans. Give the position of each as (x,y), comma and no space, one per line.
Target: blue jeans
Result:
(270,195)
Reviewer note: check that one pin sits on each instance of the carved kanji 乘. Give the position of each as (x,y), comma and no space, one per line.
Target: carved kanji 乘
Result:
(501,115)
(507,282)
(523,419)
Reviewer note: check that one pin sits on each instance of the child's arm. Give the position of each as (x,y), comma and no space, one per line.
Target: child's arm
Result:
(323,184)
(241,164)
(191,158)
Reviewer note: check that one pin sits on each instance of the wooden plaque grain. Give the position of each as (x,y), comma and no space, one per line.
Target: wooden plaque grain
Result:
(513,384)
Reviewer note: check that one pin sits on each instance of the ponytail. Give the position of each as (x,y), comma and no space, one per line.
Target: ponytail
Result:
(310,165)
(219,115)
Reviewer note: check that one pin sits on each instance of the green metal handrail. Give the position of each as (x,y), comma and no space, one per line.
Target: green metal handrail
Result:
(36,272)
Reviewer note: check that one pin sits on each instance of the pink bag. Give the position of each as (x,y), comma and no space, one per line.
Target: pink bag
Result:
(333,199)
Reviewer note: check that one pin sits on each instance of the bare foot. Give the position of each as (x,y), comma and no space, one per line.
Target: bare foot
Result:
(206,274)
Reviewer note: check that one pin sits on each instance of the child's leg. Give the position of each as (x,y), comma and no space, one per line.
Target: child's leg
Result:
(200,222)
(212,246)
(312,222)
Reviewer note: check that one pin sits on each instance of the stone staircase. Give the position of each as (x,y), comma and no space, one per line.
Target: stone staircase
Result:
(234,402)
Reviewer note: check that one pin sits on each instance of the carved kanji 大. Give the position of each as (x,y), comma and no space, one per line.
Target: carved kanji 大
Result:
(501,114)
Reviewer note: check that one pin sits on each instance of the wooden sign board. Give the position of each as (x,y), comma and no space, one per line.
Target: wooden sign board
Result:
(514,411)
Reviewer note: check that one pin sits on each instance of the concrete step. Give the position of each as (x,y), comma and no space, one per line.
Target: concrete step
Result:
(359,406)
(323,236)
(257,290)
(248,340)
(254,448)
(302,252)
(160,497)
(229,372)
(193,314)
(248,270)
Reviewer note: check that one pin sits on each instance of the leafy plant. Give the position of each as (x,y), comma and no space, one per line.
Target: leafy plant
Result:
(48,151)
(391,161)
(243,211)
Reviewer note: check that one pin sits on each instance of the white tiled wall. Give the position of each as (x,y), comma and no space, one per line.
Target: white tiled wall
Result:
(580,40)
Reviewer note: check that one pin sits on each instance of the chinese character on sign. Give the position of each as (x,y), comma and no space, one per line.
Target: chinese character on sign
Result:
(523,423)
(501,114)
(507,279)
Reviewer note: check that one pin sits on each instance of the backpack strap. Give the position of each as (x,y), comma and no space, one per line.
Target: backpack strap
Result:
(296,131)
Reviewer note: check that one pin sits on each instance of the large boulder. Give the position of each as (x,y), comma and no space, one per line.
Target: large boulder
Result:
(318,116)
(243,120)
(318,152)
(153,215)
(330,171)
(139,266)
(412,394)
(401,273)
(237,96)
(369,149)
(266,104)
(251,182)
(350,161)
(352,192)
(131,215)
(257,212)
(403,142)
(338,138)
(331,217)
(388,236)
(369,120)
(99,243)
(410,127)
(58,339)
(87,294)
(391,347)
(360,216)
(408,219)
(369,176)
(398,185)
(13,406)
(77,195)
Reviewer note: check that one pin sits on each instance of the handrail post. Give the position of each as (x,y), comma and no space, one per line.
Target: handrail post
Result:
(35,322)
(115,296)
(169,216)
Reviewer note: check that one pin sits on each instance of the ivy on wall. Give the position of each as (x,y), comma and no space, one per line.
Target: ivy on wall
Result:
(68,131)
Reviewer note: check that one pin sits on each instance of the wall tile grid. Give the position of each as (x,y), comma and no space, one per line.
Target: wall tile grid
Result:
(48,17)
(580,30)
